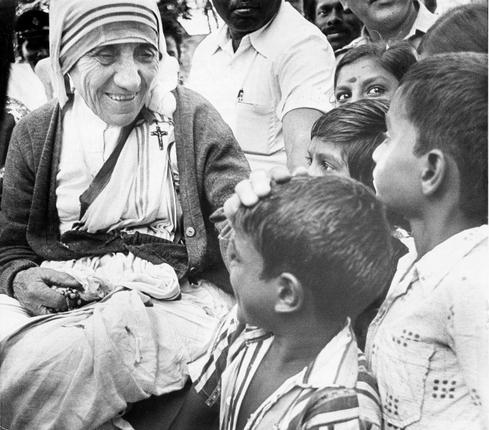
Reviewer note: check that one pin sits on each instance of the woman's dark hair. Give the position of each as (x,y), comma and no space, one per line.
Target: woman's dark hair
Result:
(461,29)
(396,59)
(357,127)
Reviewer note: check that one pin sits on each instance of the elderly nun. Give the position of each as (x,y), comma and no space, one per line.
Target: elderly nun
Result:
(108,193)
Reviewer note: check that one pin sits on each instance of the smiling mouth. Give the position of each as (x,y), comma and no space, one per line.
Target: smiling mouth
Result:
(122,97)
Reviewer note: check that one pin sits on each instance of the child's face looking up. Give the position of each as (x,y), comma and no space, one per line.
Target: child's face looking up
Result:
(323,157)
(254,296)
(398,171)
(364,79)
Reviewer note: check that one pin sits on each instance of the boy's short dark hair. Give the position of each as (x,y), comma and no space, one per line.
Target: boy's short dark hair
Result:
(461,29)
(357,127)
(396,59)
(330,232)
(445,98)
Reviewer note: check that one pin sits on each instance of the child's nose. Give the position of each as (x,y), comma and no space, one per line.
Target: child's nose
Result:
(377,153)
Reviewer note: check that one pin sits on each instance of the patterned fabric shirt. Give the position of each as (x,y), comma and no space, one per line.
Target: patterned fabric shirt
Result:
(429,344)
(334,392)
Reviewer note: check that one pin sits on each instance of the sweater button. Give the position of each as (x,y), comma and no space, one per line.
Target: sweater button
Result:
(190,232)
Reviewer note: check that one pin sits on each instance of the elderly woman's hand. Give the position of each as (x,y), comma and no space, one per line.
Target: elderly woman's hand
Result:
(249,191)
(32,289)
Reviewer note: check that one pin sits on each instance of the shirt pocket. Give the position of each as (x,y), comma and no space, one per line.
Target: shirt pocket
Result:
(255,126)
(402,381)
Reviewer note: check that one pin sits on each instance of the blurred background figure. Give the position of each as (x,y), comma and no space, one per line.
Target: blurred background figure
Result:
(32,45)
(32,33)
(339,25)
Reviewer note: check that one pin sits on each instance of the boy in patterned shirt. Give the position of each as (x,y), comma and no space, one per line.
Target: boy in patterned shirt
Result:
(303,261)
(429,344)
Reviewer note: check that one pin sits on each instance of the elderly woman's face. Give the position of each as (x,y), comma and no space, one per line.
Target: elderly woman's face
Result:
(114,80)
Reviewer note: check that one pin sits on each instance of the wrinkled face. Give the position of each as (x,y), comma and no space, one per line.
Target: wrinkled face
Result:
(325,157)
(246,16)
(364,79)
(254,296)
(381,13)
(398,171)
(114,80)
(340,26)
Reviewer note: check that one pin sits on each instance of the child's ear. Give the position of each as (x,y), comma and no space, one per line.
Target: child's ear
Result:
(434,172)
(290,294)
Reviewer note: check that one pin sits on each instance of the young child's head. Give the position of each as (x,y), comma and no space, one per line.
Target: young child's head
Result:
(436,146)
(461,29)
(344,139)
(371,71)
(318,245)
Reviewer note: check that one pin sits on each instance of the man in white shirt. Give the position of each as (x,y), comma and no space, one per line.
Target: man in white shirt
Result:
(269,72)
(391,21)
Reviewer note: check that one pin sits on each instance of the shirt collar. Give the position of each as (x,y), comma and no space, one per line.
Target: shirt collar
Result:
(261,39)
(336,364)
(424,20)
(434,265)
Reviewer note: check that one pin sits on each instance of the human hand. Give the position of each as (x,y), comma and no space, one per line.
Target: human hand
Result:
(32,288)
(249,191)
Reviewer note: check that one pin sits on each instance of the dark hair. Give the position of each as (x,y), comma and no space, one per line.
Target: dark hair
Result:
(330,232)
(171,28)
(445,98)
(462,28)
(359,127)
(396,59)
(310,10)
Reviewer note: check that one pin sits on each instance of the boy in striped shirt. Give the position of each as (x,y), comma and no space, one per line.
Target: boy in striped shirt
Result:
(303,261)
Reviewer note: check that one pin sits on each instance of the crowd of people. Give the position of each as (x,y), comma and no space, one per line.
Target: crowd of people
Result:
(293,238)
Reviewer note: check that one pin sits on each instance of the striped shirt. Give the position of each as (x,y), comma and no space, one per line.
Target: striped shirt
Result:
(333,392)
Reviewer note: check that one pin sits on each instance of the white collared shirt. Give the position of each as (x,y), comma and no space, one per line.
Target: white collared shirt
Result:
(334,391)
(285,65)
(429,344)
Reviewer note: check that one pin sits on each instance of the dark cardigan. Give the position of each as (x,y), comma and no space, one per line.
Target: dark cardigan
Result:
(210,164)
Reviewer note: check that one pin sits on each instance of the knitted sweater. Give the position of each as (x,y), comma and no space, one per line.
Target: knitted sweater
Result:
(210,164)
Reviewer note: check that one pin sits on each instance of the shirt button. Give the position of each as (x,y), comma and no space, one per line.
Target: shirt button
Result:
(190,232)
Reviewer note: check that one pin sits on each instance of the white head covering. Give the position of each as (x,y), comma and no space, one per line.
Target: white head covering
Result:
(78,26)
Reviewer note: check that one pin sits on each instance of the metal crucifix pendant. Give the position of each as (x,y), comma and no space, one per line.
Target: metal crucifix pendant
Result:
(159,133)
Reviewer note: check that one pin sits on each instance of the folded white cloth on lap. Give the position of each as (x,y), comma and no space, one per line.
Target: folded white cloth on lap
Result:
(103,274)
(80,369)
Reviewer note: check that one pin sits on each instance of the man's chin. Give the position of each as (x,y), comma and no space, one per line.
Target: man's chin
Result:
(337,41)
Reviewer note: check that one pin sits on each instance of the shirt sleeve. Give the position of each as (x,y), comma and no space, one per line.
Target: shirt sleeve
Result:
(306,73)
(206,371)
(468,329)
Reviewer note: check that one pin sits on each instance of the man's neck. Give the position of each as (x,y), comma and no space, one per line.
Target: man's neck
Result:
(398,32)
(436,228)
